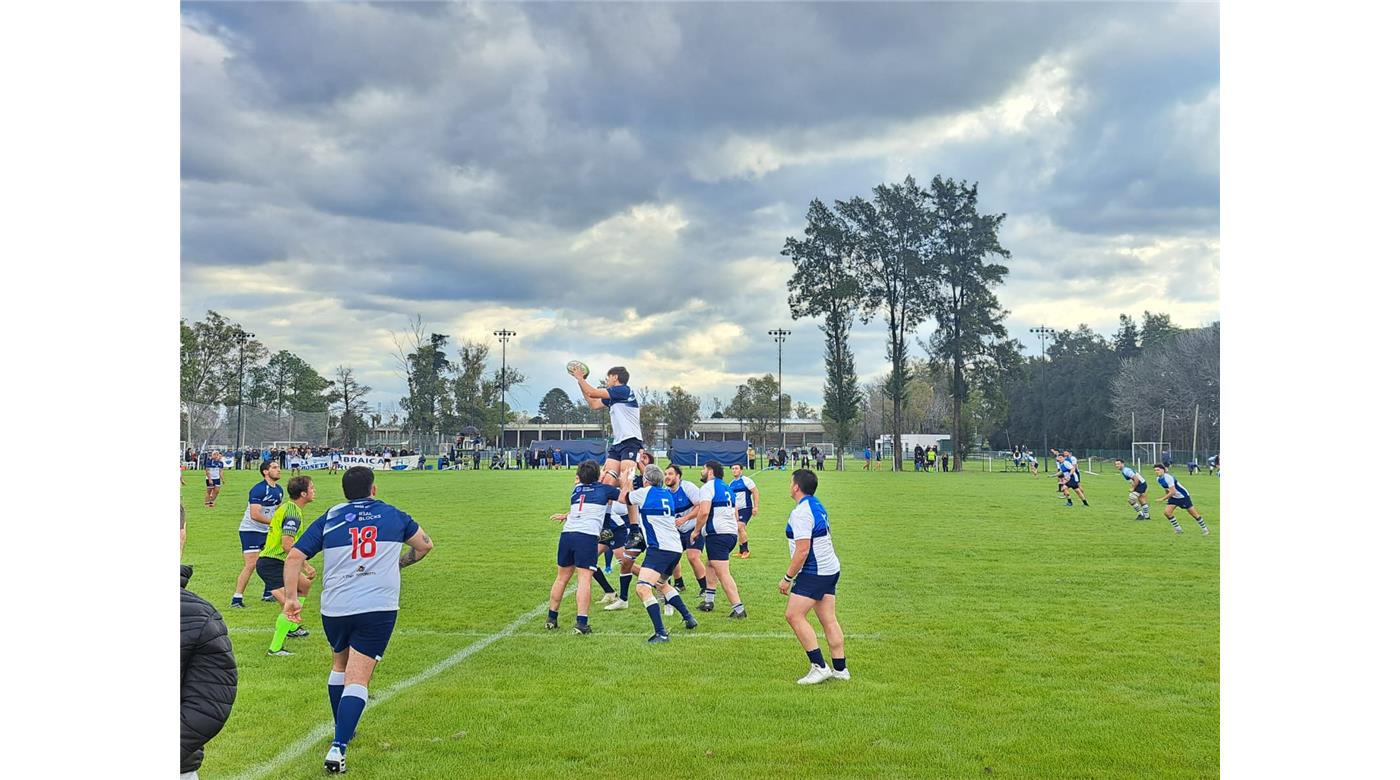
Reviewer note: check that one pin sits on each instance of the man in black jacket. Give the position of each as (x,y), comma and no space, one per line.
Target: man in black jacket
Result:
(208,674)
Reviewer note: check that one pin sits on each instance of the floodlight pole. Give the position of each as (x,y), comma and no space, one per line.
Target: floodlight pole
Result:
(1043,332)
(779,335)
(242,337)
(504,336)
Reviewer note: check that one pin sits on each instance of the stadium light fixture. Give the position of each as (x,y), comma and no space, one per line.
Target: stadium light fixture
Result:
(504,336)
(1043,332)
(779,335)
(242,337)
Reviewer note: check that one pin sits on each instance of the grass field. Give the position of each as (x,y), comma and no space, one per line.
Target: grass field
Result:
(991,631)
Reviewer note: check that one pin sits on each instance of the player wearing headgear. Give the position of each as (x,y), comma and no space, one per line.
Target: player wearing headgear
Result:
(263,500)
(578,542)
(685,495)
(1177,496)
(810,580)
(625,414)
(746,504)
(362,540)
(1137,493)
(651,504)
(720,530)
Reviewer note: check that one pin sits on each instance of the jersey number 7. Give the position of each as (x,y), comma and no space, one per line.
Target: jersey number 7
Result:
(364,542)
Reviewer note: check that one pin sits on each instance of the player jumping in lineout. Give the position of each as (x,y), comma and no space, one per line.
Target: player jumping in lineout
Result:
(625,414)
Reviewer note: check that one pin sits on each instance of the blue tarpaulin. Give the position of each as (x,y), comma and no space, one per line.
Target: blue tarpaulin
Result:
(689,452)
(575,451)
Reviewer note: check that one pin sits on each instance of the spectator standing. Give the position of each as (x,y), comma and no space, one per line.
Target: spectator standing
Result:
(208,672)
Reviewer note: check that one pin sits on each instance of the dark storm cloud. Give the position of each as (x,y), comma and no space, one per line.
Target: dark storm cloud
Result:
(619,178)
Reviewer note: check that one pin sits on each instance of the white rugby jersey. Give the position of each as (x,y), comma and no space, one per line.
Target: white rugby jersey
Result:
(362,540)
(587,507)
(722,519)
(625,413)
(268,497)
(657,510)
(742,488)
(686,495)
(808,521)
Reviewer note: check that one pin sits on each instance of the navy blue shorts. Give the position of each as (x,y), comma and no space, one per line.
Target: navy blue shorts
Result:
(660,560)
(213,482)
(1141,489)
(619,537)
(687,544)
(1184,502)
(815,586)
(578,549)
(744,515)
(368,632)
(252,541)
(627,449)
(1072,483)
(271,571)
(718,546)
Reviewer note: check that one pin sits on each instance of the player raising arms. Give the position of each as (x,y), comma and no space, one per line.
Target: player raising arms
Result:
(1177,497)
(651,506)
(578,543)
(1137,495)
(745,503)
(720,530)
(625,413)
(362,539)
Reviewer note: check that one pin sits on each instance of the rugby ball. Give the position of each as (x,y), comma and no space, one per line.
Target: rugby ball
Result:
(573,365)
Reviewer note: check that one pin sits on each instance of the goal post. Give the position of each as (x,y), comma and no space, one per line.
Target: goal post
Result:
(1148,452)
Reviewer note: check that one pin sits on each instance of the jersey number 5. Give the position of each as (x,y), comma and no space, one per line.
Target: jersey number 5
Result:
(364,542)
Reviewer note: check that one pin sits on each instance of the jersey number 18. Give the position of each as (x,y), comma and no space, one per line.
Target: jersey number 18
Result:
(364,542)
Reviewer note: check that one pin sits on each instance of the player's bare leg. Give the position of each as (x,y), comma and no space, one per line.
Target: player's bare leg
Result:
(835,637)
(720,570)
(250,562)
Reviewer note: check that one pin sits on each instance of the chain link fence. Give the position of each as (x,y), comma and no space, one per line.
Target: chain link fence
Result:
(203,426)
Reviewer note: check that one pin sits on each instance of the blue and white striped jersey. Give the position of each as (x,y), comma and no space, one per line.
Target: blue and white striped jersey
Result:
(269,497)
(656,507)
(1063,466)
(362,540)
(808,521)
(1168,481)
(722,519)
(587,507)
(742,488)
(685,496)
(625,413)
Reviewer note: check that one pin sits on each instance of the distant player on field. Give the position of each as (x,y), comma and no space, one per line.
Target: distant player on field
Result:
(578,543)
(1069,478)
(1177,496)
(809,581)
(287,527)
(263,500)
(746,503)
(1137,492)
(651,505)
(625,413)
(719,527)
(363,540)
(213,477)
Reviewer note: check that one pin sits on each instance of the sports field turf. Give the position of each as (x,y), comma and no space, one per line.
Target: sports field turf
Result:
(991,631)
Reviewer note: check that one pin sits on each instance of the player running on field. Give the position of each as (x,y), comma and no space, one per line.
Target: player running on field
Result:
(1069,479)
(287,527)
(263,500)
(578,542)
(625,414)
(685,495)
(745,503)
(213,477)
(1137,493)
(363,540)
(651,505)
(1177,496)
(720,530)
(810,580)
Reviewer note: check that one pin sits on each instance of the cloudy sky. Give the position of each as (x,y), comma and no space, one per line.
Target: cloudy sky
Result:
(615,181)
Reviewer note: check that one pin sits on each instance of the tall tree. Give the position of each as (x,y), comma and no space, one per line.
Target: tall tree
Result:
(755,404)
(1126,342)
(681,410)
(969,315)
(347,402)
(892,257)
(1158,330)
(205,350)
(824,285)
(472,396)
(1171,381)
(425,366)
(652,412)
(556,406)
(289,383)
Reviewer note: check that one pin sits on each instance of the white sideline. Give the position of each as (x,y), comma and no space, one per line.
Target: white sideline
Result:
(598,636)
(326,731)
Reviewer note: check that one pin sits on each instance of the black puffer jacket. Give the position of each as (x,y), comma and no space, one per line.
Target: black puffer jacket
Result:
(208,674)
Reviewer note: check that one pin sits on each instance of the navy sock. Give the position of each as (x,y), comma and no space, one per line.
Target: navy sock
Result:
(607,557)
(624,582)
(335,684)
(679,604)
(839,664)
(702,583)
(583,620)
(815,656)
(347,716)
(744,547)
(679,582)
(654,610)
(602,580)
(554,616)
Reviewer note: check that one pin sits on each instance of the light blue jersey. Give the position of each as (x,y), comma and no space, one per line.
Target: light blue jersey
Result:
(1168,481)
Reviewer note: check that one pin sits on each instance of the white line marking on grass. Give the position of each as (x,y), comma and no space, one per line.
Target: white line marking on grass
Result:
(598,632)
(326,731)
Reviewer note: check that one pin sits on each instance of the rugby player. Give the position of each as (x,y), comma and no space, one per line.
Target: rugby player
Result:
(213,477)
(263,500)
(809,581)
(746,502)
(578,542)
(720,530)
(363,539)
(1177,496)
(625,414)
(684,496)
(1069,479)
(1137,493)
(651,506)
(273,561)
